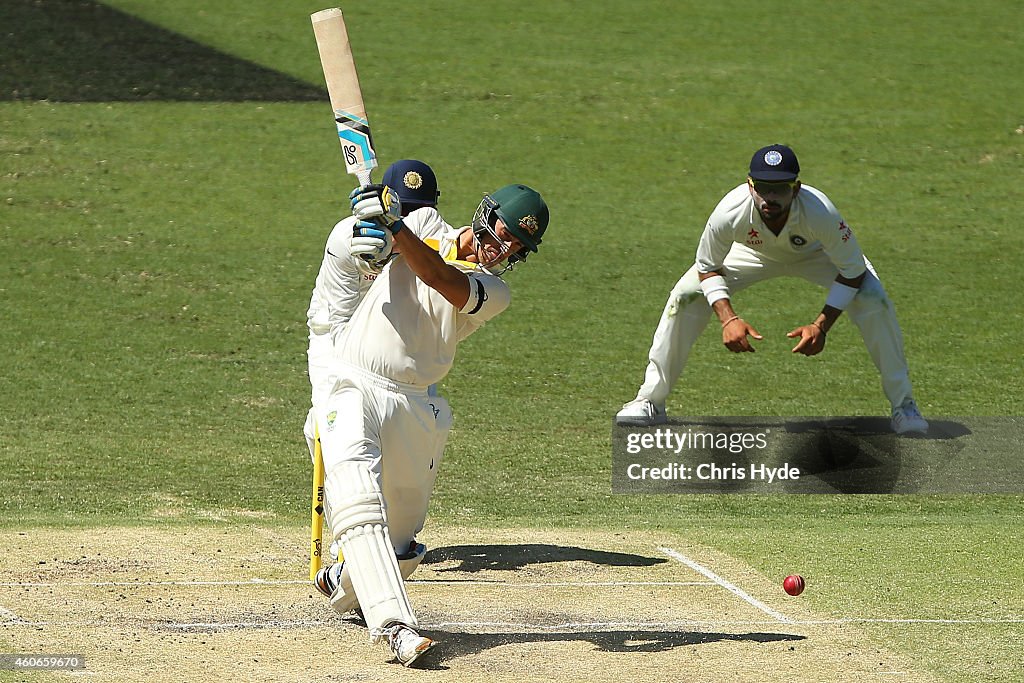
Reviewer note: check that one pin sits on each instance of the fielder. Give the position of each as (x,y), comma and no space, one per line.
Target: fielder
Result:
(353,258)
(768,227)
(382,432)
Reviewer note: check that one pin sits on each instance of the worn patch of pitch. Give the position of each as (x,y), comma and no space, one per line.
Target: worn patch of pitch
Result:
(177,604)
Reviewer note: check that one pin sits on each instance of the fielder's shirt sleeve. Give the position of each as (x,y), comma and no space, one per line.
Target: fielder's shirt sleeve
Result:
(720,232)
(836,237)
(340,284)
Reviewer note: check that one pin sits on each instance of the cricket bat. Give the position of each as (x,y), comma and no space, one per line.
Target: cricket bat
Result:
(357,147)
(346,97)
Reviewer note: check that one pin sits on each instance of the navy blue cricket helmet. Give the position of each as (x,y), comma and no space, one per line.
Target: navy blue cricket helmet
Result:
(415,183)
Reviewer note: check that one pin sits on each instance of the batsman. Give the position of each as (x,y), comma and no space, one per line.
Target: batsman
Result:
(355,253)
(382,428)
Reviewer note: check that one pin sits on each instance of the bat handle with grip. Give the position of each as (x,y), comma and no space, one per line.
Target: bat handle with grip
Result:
(364,178)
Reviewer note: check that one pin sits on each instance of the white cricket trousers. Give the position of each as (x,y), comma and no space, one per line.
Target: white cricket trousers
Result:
(687,314)
(397,432)
(318,357)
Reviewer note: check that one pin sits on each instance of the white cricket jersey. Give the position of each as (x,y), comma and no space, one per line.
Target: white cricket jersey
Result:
(340,284)
(405,330)
(814,225)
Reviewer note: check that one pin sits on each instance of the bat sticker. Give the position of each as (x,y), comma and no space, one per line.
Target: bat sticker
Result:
(356,142)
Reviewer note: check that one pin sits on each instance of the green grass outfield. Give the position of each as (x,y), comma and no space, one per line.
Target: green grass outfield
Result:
(160,230)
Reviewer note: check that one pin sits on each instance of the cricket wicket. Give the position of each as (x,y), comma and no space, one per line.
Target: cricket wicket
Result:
(316,512)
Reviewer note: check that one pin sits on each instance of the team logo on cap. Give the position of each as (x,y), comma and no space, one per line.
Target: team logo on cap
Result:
(773,157)
(412,180)
(529,224)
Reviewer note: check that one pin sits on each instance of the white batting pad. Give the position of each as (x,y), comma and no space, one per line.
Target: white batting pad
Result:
(357,519)
(344,600)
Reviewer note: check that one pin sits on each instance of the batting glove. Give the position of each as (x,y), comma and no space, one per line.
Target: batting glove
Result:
(370,243)
(379,202)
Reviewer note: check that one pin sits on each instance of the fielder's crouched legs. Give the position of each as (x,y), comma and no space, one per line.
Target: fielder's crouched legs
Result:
(358,521)
(874,315)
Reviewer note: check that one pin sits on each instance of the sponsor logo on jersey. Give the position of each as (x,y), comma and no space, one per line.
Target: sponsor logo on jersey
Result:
(754,238)
(844,231)
(331,417)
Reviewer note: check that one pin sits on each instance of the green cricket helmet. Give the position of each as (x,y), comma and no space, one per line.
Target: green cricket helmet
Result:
(521,209)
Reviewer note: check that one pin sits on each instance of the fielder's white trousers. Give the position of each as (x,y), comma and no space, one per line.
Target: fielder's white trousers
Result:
(687,313)
(321,380)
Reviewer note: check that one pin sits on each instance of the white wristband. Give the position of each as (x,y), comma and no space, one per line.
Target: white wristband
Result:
(840,295)
(714,289)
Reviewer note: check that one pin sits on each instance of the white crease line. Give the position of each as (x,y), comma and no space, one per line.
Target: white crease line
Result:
(236,625)
(590,625)
(7,615)
(855,620)
(727,622)
(562,584)
(103,584)
(679,557)
(268,582)
(633,625)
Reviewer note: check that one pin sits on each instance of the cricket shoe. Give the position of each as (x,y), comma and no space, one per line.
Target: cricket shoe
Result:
(907,418)
(327,578)
(405,644)
(641,412)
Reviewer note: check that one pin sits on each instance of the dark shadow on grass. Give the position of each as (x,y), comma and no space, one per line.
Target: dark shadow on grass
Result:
(938,430)
(453,645)
(81,51)
(475,558)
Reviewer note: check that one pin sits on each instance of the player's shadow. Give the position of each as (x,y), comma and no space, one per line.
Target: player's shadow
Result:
(454,645)
(475,558)
(84,51)
(877,427)
(863,455)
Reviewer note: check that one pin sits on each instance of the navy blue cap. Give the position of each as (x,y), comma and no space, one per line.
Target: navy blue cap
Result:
(774,162)
(414,181)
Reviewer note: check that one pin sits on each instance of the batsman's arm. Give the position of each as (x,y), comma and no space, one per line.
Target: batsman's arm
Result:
(431,269)
(383,206)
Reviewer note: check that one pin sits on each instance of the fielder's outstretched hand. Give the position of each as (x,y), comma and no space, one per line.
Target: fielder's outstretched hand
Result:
(812,339)
(734,335)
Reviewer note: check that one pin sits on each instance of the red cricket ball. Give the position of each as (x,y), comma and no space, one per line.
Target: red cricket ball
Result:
(794,584)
